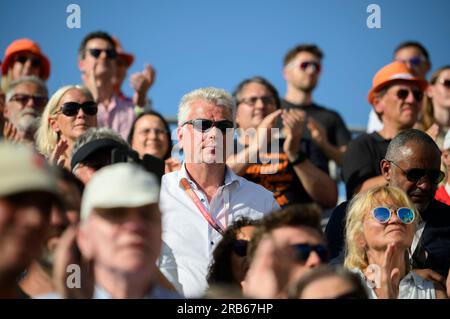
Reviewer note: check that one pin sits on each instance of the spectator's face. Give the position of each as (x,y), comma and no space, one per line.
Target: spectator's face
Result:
(24,220)
(412,155)
(414,59)
(439,92)
(123,239)
(72,127)
(400,111)
(285,237)
(250,113)
(208,146)
(102,65)
(26,64)
(150,137)
(25,95)
(238,263)
(58,223)
(377,236)
(303,75)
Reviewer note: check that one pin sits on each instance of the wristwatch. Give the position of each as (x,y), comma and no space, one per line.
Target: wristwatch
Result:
(301,157)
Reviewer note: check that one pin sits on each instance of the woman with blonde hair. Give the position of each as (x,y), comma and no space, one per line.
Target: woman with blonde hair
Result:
(70,112)
(435,115)
(380,228)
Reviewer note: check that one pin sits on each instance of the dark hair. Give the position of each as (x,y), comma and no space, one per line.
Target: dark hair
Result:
(68,177)
(408,136)
(259,80)
(415,44)
(311,48)
(94,35)
(358,289)
(220,271)
(306,215)
(166,126)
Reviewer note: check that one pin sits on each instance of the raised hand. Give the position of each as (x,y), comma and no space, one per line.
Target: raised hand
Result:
(67,256)
(390,275)
(318,133)
(294,123)
(57,157)
(141,83)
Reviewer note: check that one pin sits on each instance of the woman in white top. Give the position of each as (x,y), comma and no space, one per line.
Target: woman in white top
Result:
(380,227)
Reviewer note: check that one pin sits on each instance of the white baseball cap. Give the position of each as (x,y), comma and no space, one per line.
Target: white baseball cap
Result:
(23,170)
(119,185)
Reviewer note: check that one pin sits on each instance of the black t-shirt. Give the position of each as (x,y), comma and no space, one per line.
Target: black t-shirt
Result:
(435,236)
(337,132)
(274,172)
(362,160)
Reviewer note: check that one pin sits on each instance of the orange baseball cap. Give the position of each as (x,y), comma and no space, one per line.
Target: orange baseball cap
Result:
(25,45)
(394,71)
(121,53)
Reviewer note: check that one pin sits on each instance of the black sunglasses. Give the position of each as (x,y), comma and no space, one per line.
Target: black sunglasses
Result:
(240,247)
(202,125)
(38,101)
(414,175)
(266,100)
(302,252)
(72,108)
(445,83)
(35,62)
(110,53)
(402,94)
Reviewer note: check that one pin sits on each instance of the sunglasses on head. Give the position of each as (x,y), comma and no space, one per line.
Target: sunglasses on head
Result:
(202,125)
(266,100)
(402,94)
(72,108)
(240,247)
(445,83)
(414,175)
(383,214)
(303,251)
(110,53)
(35,62)
(38,101)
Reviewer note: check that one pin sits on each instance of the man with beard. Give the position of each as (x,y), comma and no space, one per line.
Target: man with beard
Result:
(412,163)
(302,66)
(38,278)
(25,101)
(27,192)
(97,62)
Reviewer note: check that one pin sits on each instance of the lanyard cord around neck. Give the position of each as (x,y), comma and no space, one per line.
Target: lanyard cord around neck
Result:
(188,189)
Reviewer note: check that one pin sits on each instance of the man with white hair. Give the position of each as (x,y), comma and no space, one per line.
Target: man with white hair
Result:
(201,199)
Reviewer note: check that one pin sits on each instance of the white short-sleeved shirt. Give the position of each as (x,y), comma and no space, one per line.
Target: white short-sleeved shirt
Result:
(188,239)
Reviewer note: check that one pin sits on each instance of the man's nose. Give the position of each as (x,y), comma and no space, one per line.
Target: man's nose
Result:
(313,260)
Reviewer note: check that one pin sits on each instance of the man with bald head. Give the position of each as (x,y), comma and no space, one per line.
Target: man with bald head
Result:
(412,163)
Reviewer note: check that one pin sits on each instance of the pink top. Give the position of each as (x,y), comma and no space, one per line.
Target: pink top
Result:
(119,115)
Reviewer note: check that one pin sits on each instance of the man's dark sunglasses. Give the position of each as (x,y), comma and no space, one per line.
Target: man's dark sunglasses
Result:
(416,61)
(72,108)
(110,53)
(302,252)
(240,247)
(402,94)
(202,125)
(38,101)
(306,64)
(414,175)
(35,62)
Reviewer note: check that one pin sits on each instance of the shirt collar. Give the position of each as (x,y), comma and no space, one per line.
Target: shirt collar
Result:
(230,176)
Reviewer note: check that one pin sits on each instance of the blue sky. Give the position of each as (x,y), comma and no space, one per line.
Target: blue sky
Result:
(195,43)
